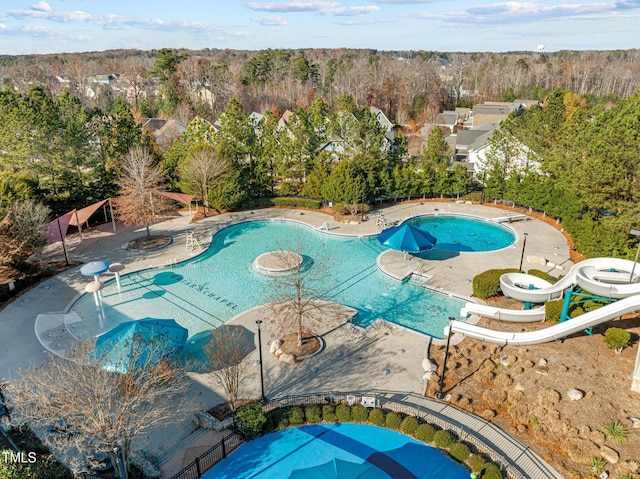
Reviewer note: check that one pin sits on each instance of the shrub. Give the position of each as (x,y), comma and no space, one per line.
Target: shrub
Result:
(443,439)
(393,420)
(425,433)
(251,419)
(616,431)
(359,413)
(475,462)
(297,203)
(279,419)
(329,413)
(553,310)
(542,275)
(377,417)
(460,452)
(343,413)
(312,413)
(617,339)
(296,416)
(491,471)
(488,283)
(409,425)
(597,464)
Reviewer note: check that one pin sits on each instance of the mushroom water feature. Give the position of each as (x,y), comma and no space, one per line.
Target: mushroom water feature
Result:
(95,287)
(95,269)
(116,268)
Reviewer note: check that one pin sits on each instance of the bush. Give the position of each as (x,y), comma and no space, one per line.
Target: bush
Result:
(343,413)
(460,452)
(297,203)
(329,413)
(296,416)
(617,339)
(425,433)
(488,283)
(616,431)
(475,462)
(312,413)
(443,439)
(542,275)
(409,425)
(279,419)
(491,471)
(359,413)
(393,420)
(251,419)
(377,417)
(553,310)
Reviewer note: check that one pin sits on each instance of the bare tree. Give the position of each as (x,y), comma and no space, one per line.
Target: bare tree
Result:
(227,353)
(81,409)
(140,178)
(299,294)
(201,171)
(22,232)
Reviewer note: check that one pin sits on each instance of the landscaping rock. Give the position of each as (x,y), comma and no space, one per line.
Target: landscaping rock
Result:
(428,375)
(278,353)
(610,454)
(288,358)
(504,360)
(574,394)
(542,362)
(429,365)
(635,422)
(542,370)
(519,387)
(275,345)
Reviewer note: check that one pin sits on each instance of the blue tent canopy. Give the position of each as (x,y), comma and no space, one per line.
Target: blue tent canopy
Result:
(407,238)
(133,344)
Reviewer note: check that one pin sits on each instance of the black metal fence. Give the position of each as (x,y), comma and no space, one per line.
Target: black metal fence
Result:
(213,456)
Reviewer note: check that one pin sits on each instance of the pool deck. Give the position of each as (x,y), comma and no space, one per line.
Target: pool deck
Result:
(353,359)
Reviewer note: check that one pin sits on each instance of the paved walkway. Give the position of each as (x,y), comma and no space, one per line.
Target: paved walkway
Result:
(353,359)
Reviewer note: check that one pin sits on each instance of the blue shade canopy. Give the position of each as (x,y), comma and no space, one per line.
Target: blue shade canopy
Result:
(338,469)
(407,238)
(134,344)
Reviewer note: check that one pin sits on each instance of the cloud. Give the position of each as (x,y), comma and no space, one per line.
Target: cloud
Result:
(323,7)
(271,21)
(517,12)
(42,7)
(407,2)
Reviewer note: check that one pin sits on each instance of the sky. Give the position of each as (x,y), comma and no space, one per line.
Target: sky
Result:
(58,26)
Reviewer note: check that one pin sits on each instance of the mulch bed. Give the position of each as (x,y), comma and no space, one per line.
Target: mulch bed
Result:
(309,346)
(149,242)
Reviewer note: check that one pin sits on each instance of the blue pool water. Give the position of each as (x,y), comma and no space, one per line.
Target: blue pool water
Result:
(377,452)
(210,289)
(464,234)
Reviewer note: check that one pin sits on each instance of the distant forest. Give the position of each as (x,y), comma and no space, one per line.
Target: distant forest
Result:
(411,87)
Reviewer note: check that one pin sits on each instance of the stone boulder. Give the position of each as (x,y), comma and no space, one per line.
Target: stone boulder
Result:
(428,375)
(610,454)
(635,422)
(275,345)
(429,365)
(288,358)
(575,394)
(278,353)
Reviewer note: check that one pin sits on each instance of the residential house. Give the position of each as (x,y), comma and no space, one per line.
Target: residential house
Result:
(480,151)
(164,131)
(464,139)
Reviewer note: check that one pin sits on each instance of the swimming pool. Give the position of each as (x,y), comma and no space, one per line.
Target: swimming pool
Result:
(299,452)
(463,233)
(210,289)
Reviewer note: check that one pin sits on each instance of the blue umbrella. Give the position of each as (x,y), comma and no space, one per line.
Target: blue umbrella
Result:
(407,238)
(133,344)
(338,469)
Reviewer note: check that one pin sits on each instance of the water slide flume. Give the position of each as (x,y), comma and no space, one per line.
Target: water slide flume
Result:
(557,331)
(607,277)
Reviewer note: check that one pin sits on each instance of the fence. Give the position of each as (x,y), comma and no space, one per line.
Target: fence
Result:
(213,456)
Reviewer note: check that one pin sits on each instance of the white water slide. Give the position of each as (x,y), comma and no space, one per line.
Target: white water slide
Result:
(608,277)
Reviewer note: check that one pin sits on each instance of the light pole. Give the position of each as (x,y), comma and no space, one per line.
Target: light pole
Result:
(524,243)
(440,394)
(635,233)
(263,398)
